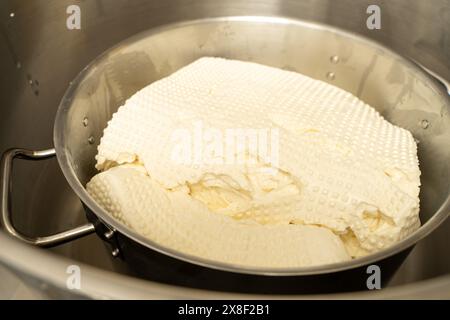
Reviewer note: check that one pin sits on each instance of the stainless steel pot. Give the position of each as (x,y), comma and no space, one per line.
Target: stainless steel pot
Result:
(401,91)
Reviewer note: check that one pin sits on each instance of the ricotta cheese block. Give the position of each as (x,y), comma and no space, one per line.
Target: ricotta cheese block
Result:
(306,158)
(175,220)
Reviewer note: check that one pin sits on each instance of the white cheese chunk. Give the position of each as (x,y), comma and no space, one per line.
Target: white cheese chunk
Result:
(175,220)
(339,164)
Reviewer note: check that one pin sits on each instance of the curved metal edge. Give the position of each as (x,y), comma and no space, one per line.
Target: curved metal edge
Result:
(59,140)
(6,212)
(434,75)
(50,268)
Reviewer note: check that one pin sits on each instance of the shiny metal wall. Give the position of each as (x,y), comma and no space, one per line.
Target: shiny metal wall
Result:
(37,39)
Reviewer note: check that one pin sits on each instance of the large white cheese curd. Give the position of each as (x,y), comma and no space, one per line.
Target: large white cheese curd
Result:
(335,165)
(175,220)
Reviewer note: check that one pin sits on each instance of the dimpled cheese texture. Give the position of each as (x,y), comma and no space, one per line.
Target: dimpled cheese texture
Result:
(175,220)
(340,165)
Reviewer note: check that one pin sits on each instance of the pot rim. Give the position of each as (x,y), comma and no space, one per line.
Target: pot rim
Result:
(64,161)
(97,283)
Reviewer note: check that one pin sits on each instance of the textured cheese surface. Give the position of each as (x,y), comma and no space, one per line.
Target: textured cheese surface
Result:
(180,223)
(340,166)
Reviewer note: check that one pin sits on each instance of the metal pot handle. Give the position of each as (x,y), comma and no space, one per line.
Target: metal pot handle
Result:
(6,214)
